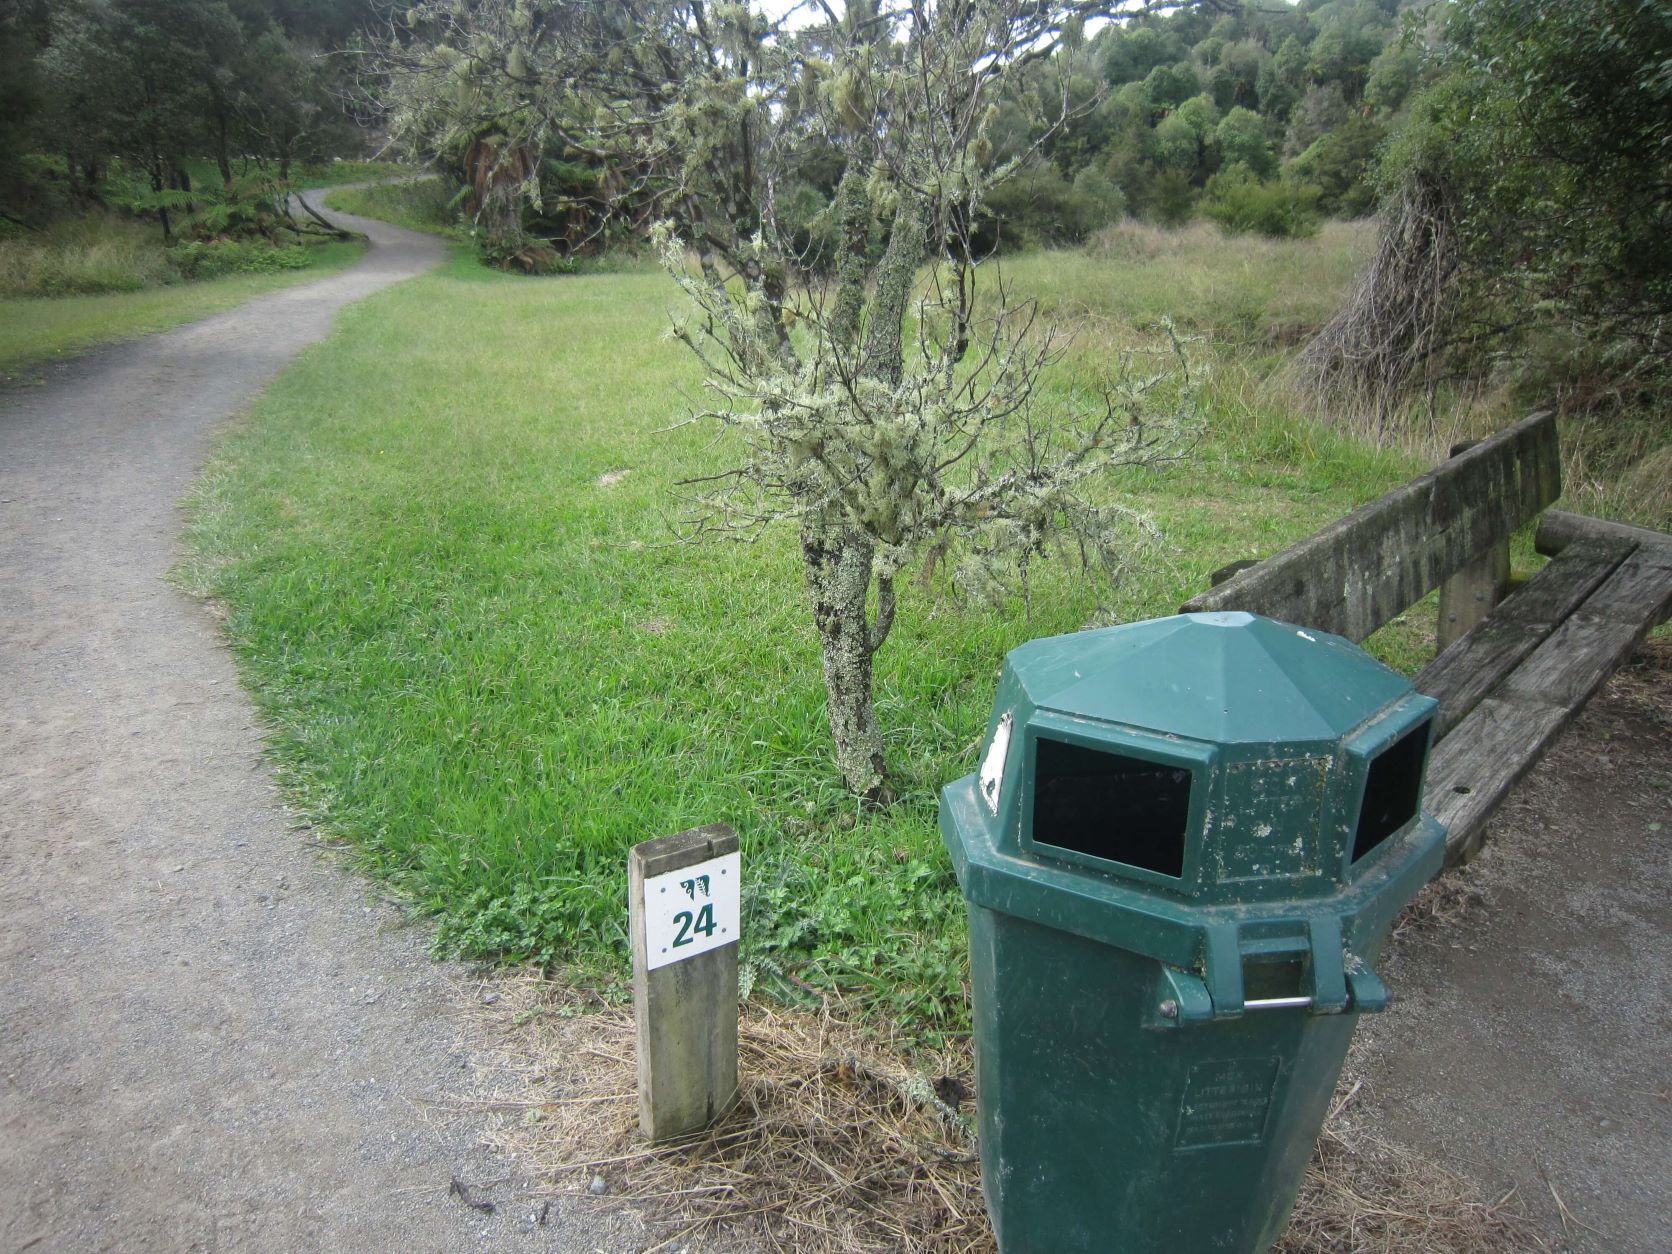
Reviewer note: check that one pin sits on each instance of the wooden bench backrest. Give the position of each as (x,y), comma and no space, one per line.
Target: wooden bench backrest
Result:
(1364,569)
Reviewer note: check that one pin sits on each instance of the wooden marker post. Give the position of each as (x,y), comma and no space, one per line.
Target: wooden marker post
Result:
(684,909)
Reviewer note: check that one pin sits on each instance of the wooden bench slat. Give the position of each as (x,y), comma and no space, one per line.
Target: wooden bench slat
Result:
(1360,571)
(1462,676)
(1585,649)
(1472,769)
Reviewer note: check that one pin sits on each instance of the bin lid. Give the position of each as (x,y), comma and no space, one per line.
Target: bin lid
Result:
(1222,678)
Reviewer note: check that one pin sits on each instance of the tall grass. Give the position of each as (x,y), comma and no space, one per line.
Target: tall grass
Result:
(96,252)
(1253,293)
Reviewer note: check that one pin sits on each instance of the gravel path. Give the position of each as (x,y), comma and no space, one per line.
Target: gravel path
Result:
(209,1039)
(1528,1047)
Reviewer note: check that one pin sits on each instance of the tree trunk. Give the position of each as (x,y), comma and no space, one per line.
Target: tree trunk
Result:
(223,159)
(158,182)
(838,561)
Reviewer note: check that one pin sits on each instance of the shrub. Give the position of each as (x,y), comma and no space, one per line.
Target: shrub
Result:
(209,259)
(1241,203)
(1040,208)
(1172,198)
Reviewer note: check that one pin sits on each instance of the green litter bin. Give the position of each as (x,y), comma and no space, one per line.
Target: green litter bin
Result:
(1181,853)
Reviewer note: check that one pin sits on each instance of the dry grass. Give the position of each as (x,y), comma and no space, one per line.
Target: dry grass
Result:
(839,1145)
(1643,682)
(1445,904)
(1362,1194)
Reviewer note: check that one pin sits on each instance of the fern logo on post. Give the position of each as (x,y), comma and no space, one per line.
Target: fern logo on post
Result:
(691,911)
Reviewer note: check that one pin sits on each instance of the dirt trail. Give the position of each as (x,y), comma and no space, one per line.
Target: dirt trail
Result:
(208,1038)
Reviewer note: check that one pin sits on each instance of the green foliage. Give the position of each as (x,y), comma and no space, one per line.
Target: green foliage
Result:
(809,228)
(1560,117)
(1172,200)
(1240,202)
(1039,208)
(535,922)
(1242,139)
(1144,98)
(211,259)
(1525,202)
(1341,164)
(252,206)
(1394,75)
(163,86)
(1286,78)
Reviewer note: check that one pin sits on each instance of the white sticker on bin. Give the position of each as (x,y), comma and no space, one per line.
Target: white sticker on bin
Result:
(992,765)
(691,911)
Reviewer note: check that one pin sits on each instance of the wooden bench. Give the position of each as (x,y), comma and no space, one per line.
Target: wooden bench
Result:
(1513,669)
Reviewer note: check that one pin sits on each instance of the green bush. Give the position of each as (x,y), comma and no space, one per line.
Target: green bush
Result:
(210,259)
(1172,200)
(1240,203)
(1040,208)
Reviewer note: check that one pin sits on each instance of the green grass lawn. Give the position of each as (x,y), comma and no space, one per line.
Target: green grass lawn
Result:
(444,543)
(36,330)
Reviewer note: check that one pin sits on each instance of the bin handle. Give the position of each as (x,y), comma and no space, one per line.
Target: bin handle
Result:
(1183,997)
(1275,1003)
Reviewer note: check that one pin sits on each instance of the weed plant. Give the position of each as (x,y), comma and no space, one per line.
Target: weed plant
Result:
(446,544)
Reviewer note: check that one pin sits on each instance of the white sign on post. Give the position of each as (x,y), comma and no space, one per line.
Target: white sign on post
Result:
(691,911)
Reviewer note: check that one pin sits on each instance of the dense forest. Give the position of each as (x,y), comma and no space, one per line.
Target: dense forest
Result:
(1517,152)
(158,88)
(1262,117)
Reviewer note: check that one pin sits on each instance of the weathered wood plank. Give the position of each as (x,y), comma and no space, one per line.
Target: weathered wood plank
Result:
(1467,671)
(1558,529)
(685,1012)
(1475,665)
(1471,594)
(1358,573)
(1234,568)
(1472,770)
(1582,652)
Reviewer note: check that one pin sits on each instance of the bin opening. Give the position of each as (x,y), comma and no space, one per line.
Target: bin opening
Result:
(1280,978)
(1108,806)
(1392,790)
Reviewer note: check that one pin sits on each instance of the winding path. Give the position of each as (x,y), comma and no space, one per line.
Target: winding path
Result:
(208,1038)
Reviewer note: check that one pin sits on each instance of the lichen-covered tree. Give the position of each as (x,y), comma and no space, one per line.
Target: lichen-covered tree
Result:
(892,409)
(887,390)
